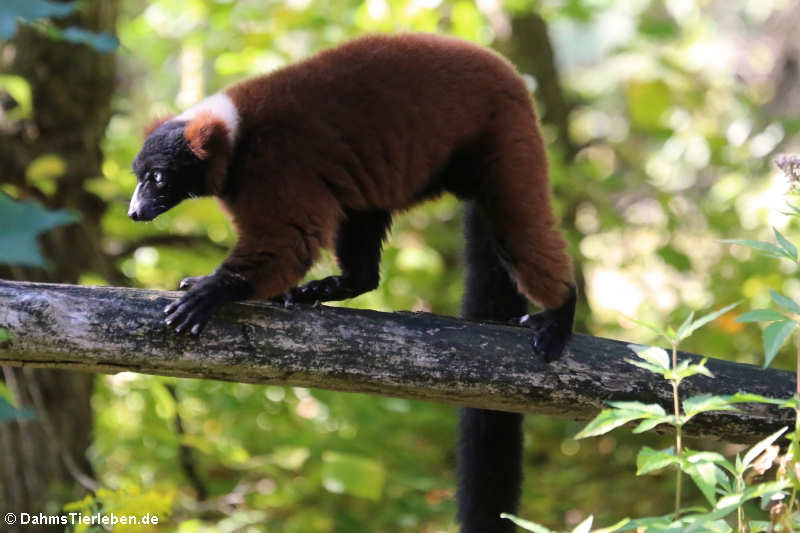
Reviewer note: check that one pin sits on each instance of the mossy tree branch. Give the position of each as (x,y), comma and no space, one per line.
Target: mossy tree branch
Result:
(411,355)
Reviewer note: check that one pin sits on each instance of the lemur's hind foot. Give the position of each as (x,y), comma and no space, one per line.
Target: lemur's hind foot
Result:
(553,328)
(332,288)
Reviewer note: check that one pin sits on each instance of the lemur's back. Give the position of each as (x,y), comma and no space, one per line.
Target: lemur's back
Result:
(387,114)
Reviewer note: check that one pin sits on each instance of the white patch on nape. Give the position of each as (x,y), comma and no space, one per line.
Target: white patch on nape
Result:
(220,105)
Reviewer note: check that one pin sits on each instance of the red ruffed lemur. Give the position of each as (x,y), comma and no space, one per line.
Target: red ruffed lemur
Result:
(321,153)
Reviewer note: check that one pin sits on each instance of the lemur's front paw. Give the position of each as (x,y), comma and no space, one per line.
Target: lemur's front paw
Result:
(192,311)
(188,283)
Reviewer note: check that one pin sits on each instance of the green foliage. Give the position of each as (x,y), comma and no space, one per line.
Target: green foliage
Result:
(38,11)
(20,223)
(670,160)
(9,412)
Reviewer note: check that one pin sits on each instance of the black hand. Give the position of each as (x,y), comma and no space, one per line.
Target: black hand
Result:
(192,311)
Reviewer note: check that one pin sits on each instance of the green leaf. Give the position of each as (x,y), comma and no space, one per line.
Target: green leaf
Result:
(30,10)
(20,223)
(352,474)
(795,210)
(788,247)
(652,327)
(9,412)
(774,336)
(655,369)
(761,315)
(746,397)
(102,42)
(685,326)
(766,247)
(705,319)
(644,408)
(650,423)
(525,524)
(704,475)
(650,459)
(758,448)
(687,369)
(652,354)
(706,402)
(607,420)
(785,302)
(614,527)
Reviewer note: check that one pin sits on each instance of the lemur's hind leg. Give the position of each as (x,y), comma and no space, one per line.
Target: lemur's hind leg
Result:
(358,252)
(515,200)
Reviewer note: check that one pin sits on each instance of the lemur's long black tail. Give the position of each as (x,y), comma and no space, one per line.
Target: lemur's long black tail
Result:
(490,460)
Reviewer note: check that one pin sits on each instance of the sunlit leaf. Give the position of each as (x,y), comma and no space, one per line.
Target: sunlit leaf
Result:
(766,247)
(687,369)
(655,369)
(706,402)
(785,302)
(685,326)
(650,423)
(652,327)
(652,354)
(788,247)
(650,459)
(609,419)
(705,319)
(745,397)
(774,336)
(704,475)
(761,315)
(644,408)
(526,524)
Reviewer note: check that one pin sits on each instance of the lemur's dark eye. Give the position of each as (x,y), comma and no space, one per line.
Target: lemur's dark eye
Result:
(157,176)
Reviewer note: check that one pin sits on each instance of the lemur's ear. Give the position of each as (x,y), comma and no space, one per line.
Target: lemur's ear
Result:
(206,134)
(155,123)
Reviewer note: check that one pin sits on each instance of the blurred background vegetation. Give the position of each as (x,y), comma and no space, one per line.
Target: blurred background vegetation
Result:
(661,119)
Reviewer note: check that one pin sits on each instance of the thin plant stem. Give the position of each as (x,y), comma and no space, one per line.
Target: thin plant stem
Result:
(796,434)
(678,435)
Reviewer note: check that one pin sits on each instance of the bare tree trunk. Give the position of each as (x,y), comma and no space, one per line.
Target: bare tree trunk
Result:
(43,462)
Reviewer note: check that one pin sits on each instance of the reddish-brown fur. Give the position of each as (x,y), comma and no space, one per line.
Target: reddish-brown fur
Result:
(382,123)
(207,135)
(154,124)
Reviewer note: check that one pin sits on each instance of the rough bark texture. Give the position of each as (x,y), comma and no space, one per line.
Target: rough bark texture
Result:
(43,461)
(412,355)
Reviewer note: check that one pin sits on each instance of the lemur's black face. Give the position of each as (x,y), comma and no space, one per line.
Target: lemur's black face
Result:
(167,172)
